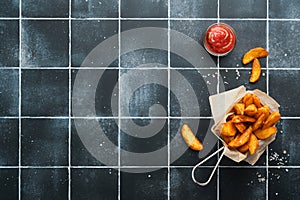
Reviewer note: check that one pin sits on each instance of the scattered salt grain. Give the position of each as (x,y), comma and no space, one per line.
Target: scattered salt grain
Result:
(149,176)
(285,54)
(284,152)
(276,193)
(287,170)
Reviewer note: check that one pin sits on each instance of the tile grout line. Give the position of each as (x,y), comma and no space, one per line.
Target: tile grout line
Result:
(218,90)
(267,85)
(169,100)
(119,103)
(20,98)
(70,95)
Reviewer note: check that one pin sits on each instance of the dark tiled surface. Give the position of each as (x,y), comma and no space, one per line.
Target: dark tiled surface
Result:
(284,183)
(284,9)
(45,142)
(45,43)
(9,142)
(283,89)
(9,92)
(247,183)
(94,184)
(9,8)
(9,33)
(9,183)
(283,36)
(243,9)
(193,8)
(45,92)
(95,8)
(144,8)
(183,187)
(151,185)
(54,8)
(36,181)
(87,34)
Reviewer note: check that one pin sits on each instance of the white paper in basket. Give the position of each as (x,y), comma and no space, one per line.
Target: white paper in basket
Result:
(221,104)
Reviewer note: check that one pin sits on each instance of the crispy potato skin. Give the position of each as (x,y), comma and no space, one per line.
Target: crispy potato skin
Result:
(257,52)
(242,118)
(241,139)
(251,110)
(228,129)
(248,99)
(190,138)
(255,72)
(273,118)
(253,144)
(263,134)
(259,122)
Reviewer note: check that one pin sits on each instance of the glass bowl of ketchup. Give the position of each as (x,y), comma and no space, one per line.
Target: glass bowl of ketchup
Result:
(219,39)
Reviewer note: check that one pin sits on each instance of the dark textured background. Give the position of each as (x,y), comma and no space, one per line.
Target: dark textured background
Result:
(42,44)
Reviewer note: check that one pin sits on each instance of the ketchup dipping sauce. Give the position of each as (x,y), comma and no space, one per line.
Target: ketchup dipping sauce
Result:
(219,39)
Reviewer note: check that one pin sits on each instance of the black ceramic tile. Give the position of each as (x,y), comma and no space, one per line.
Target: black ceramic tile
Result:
(243,9)
(95,8)
(283,88)
(94,151)
(190,90)
(105,93)
(144,93)
(283,151)
(45,92)
(179,151)
(249,34)
(9,34)
(284,183)
(145,57)
(36,8)
(283,37)
(94,184)
(88,34)
(9,184)
(9,8)
(144,8)
(44,184)
(9,92)
(183,187)
(9,148)
(45,43)
(233,78)
(247,183)
(284,9)
(44,142)
(150,185)
(144,142)
(192,9)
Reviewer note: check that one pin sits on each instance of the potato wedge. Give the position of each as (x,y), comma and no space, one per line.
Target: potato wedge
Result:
(263,110)
(263,134)
(273,118)
(255,72)
(241,127)
(253,144)
(190,138)
(248,99)
(239,108)
(241,139)
(259,122)
(257,52)
(228,129)
(244,148)
(227,139)
(250,110)
(256,101)
(242,118)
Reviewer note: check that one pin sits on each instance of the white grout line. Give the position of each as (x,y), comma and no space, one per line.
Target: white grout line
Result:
(70,101)
(119,102)
(218,90)
(169,99)
(267,82)
(20,98)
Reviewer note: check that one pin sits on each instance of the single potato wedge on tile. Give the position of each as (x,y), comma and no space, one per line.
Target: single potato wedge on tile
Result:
(191,140)
(253,144)
(241,139)
(228,129)
(263,134)
(273,118)
(256,71)
(257,52)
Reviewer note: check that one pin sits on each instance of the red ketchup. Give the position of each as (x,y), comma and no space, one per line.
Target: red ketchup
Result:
(219,39)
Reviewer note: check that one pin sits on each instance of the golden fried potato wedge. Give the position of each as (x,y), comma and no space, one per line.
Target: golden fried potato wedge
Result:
(257,52)
(190,138)
(228,129)
(239,108)
(229,117)
(253,144)
(263,134)
(227,139)
(273,118)
(244,148)
(250,110)
(259,122)
(248,99)
(263,110)
(241,139)
(256,101)
(242,118)
(255,72)
(241,127)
